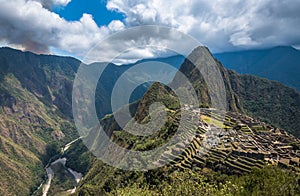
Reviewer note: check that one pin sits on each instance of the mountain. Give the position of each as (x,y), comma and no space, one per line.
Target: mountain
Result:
(36,113)
(51,77)
(113,72)
(175,61)
(36,121)
(280,63)
(237,154)
(257,97)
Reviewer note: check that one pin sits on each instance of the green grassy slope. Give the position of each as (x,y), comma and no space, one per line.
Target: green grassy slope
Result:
(27,126)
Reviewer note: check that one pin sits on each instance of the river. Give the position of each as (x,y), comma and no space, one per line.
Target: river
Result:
(50,173)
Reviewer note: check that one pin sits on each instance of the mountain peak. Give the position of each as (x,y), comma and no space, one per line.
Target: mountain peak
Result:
(198,52)
(284,47)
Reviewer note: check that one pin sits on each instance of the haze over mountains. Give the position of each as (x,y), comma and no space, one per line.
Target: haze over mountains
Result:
(281,63)
(36,115)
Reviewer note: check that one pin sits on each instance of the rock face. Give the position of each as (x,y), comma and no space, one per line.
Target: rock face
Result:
(202,57)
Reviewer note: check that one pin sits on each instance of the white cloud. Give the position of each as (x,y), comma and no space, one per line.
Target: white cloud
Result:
(35,28)
(116,25)
(242,39)
(220,24)
(141,42)
(48,3)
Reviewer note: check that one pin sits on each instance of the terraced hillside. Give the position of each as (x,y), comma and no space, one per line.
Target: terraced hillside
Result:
(231,148)
(243,144)
(232,145)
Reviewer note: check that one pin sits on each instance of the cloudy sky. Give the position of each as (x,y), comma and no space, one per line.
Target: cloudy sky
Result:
(72,27)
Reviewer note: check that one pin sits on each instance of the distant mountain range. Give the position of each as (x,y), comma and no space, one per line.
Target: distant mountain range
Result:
(281,63)
(36,112)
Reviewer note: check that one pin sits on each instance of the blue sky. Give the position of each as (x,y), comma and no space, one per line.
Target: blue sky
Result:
(97,8)
(73,27)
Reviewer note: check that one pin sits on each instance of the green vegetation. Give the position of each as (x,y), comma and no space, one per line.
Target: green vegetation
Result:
(269,180)
(35,122)
(78,157)
(214,122)
(62,180)
(153,141)
(269,101)
(32,127)
(52,150)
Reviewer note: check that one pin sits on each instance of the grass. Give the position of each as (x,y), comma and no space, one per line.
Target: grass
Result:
(212,121)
